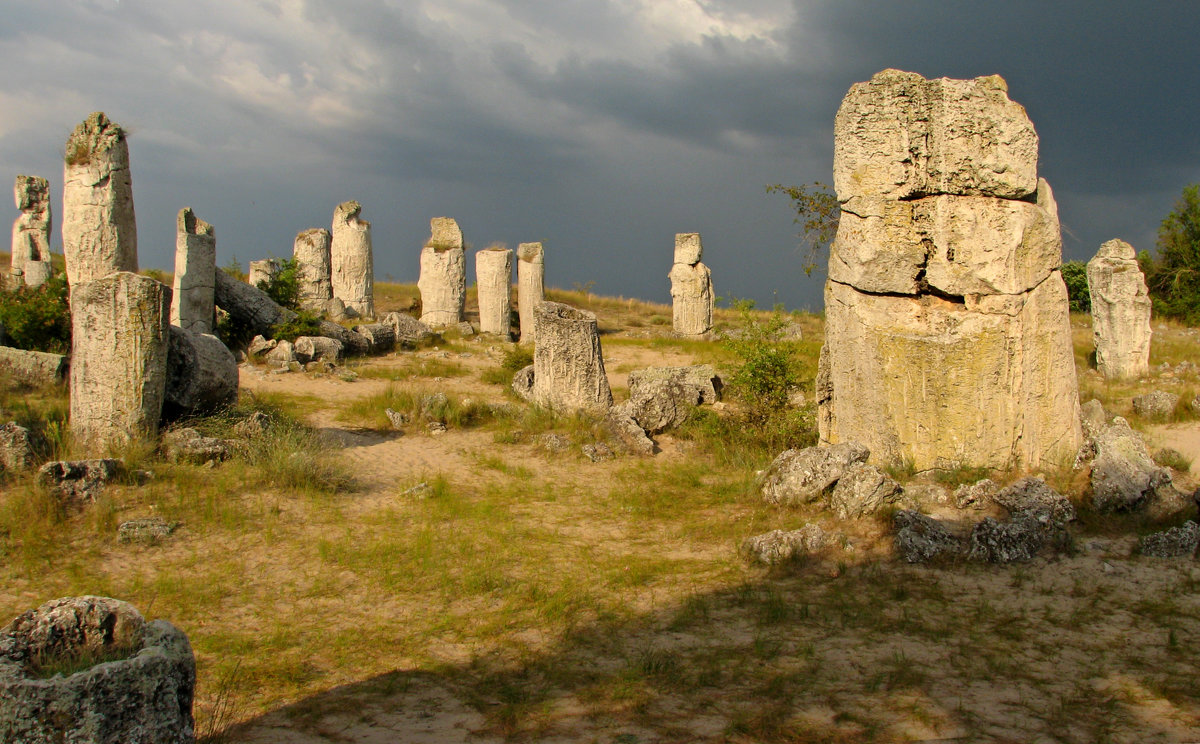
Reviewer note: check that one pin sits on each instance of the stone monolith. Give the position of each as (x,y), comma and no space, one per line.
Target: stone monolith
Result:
(195,273)
(99,230)
(568,366)
(948,341)
(493,278)
(262,271)
(31,231)
(352,264)
(119,337)
(691,288)
(311,252)
(531,274)
(443,278)
(1120,312)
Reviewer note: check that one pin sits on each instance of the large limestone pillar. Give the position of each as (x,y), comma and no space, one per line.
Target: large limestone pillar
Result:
(568,366)
(1120,312)
(443,278)
(311,252)
(195,273)
(531,272)
(948,341)
(119,338)
(99,231)
(691,288)
(352,264)
(493,277)
(31,231)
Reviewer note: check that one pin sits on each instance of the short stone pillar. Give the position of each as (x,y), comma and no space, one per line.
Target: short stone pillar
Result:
(1120,312)
(311,252)
(262,271)
(31,231)
(91,669)
(119,327)
(99,229)
(531,272)
(691,288)
(443,278)
(493,277)
(195,273)
(568,366)
(352,264)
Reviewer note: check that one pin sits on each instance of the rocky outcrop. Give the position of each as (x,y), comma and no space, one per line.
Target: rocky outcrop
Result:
(567,361)
(691,288)
(531,272)
(443,278)
(192,303)
(202,374)
(351,259)
(1120,312)
(99,229)
(493,277)
(31,231)
(1157,405)
(311,252)
(803,476)
(1176,542)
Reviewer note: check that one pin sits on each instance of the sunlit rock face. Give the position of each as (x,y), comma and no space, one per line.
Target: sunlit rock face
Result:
(1120,312)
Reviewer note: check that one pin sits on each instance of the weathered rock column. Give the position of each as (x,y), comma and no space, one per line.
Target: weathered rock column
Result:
(311,252)
(352,263)
(443,278)
(947,336)
(493,278)
(568,366)
(1120,312)
(691,288)
(31,231)
(99,230)
(195,273)
(531,272)
(262,271)
(119,332)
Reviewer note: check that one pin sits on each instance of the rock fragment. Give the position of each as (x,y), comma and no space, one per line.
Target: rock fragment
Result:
(1176,542)
(863,490)
(920,539)
(802,476)
(778,546)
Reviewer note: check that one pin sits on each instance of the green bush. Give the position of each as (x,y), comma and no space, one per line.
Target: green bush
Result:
(306,323)
(1174,278)
(769,369)
(38,318)
(284,286)
(1079,295)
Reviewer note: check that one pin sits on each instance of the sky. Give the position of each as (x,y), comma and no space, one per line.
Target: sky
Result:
(599,127)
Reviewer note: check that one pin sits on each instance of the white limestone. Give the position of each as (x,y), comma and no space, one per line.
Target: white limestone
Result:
(311,251)
(31,231)
(195,273)
(443,278)
(351,260)
(568,365)
(493,279)
(1120,312)
(99,229)
(531,273)
(691,288)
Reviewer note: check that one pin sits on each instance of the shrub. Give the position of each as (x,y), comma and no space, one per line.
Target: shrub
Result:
(306,323)
(284,286)
(1079,295)
(38,318)
(769,369)
(1174,278)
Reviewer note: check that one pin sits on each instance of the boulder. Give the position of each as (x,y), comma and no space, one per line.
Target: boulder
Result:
(1093,418)
(410,332)
(661,404)
(16,448)
(802,476)
(202,374)
(627,434)
(189,445)
(1158,405)
(1120,312)
(975,495)
(76,482)
(283,353)
(317,348)
(1018,540)
(1031,496)
(778,546)
(920,539)
(33,368)
(380,337)
(522,384)
(1176,542)
(260,345)
(862,490)
(1123,475)
(702,378)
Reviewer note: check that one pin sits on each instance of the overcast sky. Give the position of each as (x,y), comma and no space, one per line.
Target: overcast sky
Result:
(600,127)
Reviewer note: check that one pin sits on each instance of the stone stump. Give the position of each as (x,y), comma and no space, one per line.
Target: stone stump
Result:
(531,271)
(91,669)
(493,277)
(1120,312)
(948,341)
(568,366)
(31,231)
(311,252)
(691,288)
(443,278)
(99,230)
(262,271)
(202,374)
(192,302)
(119,338)
(352,264)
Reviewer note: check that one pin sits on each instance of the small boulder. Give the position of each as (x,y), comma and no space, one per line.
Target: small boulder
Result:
(554,443)
(522,383)
(802,476)
(1031,496)
(661,404)
(1156,406)
(318,349)
(148,530)
(78,481)
(397,419)
(778,546)
(189,445)
(281,355)
(863,489)
(1123,474)
(380,337)
(410,332)
(920,539)
(627,433)
(598,452)
(1018,540)
(975,495)
(1093,417)
(702,377)
(1176,542)
(16,448)
(259,346)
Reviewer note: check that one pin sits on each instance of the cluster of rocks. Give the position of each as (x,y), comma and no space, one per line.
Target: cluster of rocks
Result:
(691,288)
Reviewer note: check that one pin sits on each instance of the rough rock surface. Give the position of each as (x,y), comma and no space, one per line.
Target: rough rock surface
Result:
(1176,542)
(192,302)
(317,348)
(1007,542)
(658,405)
(256,309)
(147,530)
(531,272)
(691,299)
(202,374)
(1031,496)
(688,249)
(1157,405)
(975,495)
(703,378)
(522,383)
(920,539)
(861,490)
(16,448)
(1093,418)
(34,368)
(567,360)
(493,276)
(1123,476)
(145,695)
(76,482)
(311,252)
(99,230)
(351,259)
(119,340)
(443,278)
(282,353)
(1120,312)
(802,476)
(31,231)
(189,445)
(380,337)
(626,433)
(778,546)
(410,332)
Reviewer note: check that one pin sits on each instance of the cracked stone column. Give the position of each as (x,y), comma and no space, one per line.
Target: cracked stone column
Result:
(31,231)
(568,366)
(99,230)
(195,273)
(948,341)
(493,278)
(691,288)
(311,252)
(352,276)
(531,272)
(1120,312)
(443,278)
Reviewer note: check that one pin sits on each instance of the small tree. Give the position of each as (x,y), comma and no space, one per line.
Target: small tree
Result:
(817,212)
(1079,295)
(38,318)
(1175,276)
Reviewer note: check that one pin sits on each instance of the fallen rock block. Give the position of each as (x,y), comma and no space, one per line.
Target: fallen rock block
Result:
(318,349)
(801,476)
(920,539)
(410,332)
(34,368)
(149,530)
(1157,406)
(778,546)
(627,433)
(1123,476)
(661,404)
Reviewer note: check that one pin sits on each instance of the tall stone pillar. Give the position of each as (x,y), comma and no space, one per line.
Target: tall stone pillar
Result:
(948,341)
(493,277)
(99,230)
(312,256)
(351,261)
(31,231)
(1120,312)
(568,366)
(119,339)
(531,272)
(195,273)
(443,278)
(691,288)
